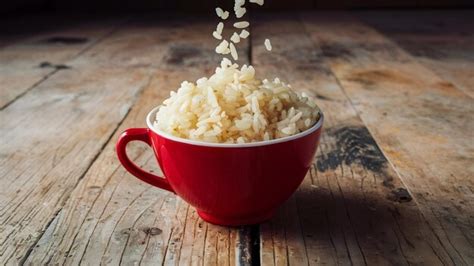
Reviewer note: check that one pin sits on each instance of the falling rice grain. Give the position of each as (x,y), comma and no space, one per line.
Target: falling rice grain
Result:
(235,38)
(241,24)
(258,2)
(268,44)
(219,28)
(239,9)
(223,47)
(244,34)
(240,12)
(233,52)
(217,35)
(221,13)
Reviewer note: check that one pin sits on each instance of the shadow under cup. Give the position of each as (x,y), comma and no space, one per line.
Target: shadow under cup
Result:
(228,184)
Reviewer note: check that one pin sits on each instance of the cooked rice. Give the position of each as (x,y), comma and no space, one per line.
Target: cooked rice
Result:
(233,52)
(223,47)
(217,35)
(259,2)
(239,9)
(244,34)
(218,32)
(240,12)
(221,13)
(233,106)
(219,28)
(268,44)
(241,24)
(235,38)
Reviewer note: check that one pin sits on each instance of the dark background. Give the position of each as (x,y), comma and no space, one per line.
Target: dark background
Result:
(8,6)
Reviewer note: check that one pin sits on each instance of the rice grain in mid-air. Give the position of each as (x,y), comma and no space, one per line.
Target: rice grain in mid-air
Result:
(235,38)
(239,9)
(233,52)
(244,34)
(258,2)
(219,28)
(217,35)
(268,44)
(240,12)
(223,47)
(218,32)
(241,24)
(221,13)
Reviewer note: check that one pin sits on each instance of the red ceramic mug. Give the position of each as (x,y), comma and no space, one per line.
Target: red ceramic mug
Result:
(228,184)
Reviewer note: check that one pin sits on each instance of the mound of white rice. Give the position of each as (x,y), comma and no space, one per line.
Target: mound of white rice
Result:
(233,106)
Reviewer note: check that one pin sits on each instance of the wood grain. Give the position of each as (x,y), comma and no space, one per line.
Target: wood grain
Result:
(418,119)
(351,208)
(54,133)
(391,182)
(112,217)
(442,41)
(31,60)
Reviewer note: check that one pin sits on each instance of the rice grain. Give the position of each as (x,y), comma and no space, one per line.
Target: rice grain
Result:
(219,28)
(240,12)
(268,44)
(235,38)
(223,47)
(233,52)
(221,13)
(244,34)
(216,35)
(241,24)
(239,9)
(259,2)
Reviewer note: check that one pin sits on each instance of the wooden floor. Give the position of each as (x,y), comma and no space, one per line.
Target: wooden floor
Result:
(392,182)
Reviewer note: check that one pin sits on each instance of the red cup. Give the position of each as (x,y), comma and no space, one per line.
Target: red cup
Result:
(228,184)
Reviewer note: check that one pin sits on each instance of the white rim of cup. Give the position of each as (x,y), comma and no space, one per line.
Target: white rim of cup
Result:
(165,135)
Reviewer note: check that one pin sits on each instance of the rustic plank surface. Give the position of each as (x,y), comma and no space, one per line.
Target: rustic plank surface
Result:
(443,41)
(54,133)
(36,178)
(352,208)
(113,218)
(33,59)
(389,185)
(422,123)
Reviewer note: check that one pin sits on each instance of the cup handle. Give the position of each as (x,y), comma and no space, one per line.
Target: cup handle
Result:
(141,134)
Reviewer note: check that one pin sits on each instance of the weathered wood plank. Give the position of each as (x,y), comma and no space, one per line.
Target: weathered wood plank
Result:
(351,208)
(49,139)
(442,41)
(112,217)
(27,63)
(421,122)
(53,136)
